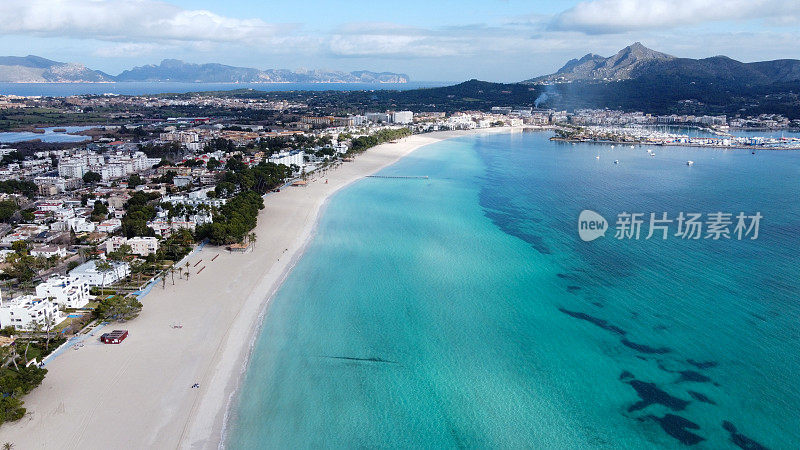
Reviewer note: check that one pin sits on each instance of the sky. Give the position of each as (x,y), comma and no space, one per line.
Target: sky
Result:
(430,40)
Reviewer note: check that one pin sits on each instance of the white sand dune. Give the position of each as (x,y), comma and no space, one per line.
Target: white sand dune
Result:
(138,394)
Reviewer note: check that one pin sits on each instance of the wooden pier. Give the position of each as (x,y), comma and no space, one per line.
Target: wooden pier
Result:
(402,177)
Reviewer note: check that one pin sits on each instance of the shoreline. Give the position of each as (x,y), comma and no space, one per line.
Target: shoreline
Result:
(199,430)
(95,396)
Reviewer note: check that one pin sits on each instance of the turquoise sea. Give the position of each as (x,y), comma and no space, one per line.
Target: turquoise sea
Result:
(464,310)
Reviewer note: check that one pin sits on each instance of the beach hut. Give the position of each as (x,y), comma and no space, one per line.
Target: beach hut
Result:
(241,247)
(115,337)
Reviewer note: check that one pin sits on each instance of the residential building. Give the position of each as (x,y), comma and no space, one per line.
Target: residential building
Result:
(195,199)
(48,251)
(181,180)
(89,273)
(403,117)
(26,311)
(166,227)
(68,292)
(288,158)
(378,117)
(109,226)
(140,245)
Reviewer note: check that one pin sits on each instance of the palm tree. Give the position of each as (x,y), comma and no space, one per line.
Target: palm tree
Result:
(104,267)
(83,252)
(48,323)
(13,355)
(187,275)
(252,239)
(172,272)
(8,446)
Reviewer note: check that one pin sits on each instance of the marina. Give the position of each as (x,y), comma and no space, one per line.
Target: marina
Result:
(647,136)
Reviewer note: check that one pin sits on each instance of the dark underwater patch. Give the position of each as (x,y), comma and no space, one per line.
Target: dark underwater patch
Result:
(692,376)
(594,320)
(702,364)
(650,394)
(701,397)
(645,348)
(741,440)
(511,225)
(678,427)
(573,289)
(625,375)
(362,360)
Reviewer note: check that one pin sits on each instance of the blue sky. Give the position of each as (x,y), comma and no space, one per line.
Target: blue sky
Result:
(433,40)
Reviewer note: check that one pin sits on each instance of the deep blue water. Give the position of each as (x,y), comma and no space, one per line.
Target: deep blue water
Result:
(464,311)
(143,88)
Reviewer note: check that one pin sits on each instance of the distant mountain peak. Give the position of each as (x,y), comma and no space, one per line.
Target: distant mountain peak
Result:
(639,62)
(35,69)
(614,68)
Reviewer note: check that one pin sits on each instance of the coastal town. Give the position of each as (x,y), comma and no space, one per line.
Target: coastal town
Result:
(117,195)
(92,223)
(514,224)
(89,228)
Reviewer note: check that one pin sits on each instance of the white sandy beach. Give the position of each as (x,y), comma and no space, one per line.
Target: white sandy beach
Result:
(138,394)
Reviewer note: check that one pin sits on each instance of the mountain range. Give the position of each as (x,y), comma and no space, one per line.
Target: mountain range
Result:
(635,79)
(637,61)
(34,69)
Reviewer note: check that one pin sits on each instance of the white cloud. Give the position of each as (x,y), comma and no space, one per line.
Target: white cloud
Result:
(390,40)
(127,20)
(126,50)
(614,16)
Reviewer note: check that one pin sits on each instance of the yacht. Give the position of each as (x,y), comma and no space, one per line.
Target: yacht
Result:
(689,163)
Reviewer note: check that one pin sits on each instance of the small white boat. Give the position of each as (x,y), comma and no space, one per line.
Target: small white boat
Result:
(689,163)
(632,146)
(612,146)
(652,154)
(597,157)
(616,161)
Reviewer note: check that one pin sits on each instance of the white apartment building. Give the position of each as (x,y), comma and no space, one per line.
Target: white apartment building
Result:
(118,165)
(195,199)
(79,225)
(184,137)
(377,117)
(48,251)
(164,227)
(24,312)
(288,158)
(89,273)
(68,292)
(109,226)
(140,245)
(72,169)
(403,117)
